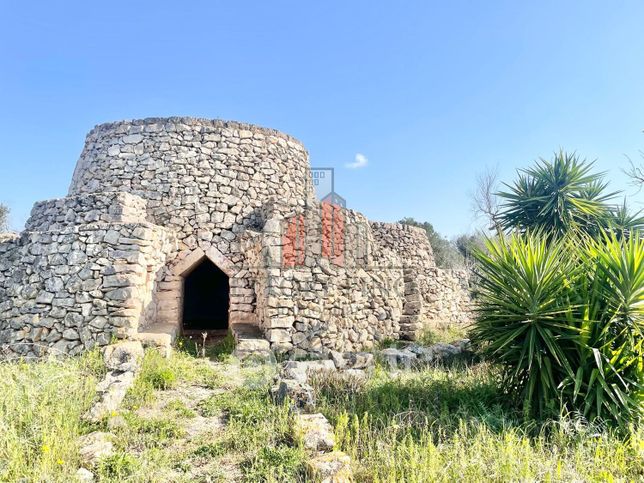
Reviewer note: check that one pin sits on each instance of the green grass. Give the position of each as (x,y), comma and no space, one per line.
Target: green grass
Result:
(40,416)
(443,333)
(438,424)
(161,373)
(256,439)
(446,424)
(219,350)
(258,432)
(431,335)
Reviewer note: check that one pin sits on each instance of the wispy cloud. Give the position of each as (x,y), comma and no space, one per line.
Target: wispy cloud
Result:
(361,161)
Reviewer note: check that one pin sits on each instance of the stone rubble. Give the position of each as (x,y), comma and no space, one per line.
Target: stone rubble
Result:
(314,431)
(95,446)
(302,370)
(414,355)
(298,394)
(84,475)
(122,361)
(334,467)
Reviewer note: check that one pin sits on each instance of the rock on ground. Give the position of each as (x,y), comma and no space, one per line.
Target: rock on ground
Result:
(334,467)
(315,432)
(94,446)
(300,395)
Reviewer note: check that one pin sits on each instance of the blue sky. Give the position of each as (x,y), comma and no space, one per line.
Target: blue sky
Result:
(430,93)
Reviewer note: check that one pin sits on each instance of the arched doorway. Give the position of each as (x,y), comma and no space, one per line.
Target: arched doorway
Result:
(206,298)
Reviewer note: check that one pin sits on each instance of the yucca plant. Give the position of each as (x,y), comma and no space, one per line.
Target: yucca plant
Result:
(622,221)
(525,312)
(564,318)
(609,382)
(556,197)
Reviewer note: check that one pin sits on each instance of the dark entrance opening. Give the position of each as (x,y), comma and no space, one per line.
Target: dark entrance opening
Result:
(205,298)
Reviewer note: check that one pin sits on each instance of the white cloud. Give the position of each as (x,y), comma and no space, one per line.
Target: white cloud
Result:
(361,161)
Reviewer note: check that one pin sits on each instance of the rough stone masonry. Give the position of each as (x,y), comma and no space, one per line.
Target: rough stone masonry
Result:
(151,200)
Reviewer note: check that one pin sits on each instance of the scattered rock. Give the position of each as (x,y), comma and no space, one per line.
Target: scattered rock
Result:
(334,467)
(463,344)
(298,393)
(352,360)
(94,446)
(302,370)
(443,351)
(84,475)
(111,391)
(315,432)
(397,358)
(124,356)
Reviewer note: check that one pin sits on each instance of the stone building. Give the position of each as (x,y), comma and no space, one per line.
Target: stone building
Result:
(181,224)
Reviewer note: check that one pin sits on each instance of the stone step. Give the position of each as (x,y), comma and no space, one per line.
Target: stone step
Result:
(159,335)
(249,341)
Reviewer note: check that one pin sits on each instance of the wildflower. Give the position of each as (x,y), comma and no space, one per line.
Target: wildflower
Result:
(60,462)
(45,448)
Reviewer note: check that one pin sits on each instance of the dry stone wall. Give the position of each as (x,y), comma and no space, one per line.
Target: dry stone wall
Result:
(69,290)
(150,199)
(207,181)
(433,296)
(321,303)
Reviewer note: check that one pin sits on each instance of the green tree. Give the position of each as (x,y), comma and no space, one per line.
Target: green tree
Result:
(467,244)
(446,253)
(556,197)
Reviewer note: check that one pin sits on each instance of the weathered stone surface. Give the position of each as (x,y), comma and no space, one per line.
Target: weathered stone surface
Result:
(151,199)
(84,475)
(352,360)
(302,370)
(299,394)
(111,391)
(124,356)
(122,361)
(398,359)
(334,467)
(314,431)
(94,446)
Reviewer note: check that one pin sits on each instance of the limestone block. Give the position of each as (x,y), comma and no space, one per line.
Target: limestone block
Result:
(314,431)
(299,395)
(124,356)
(302,370)
(334,467)
(95,446)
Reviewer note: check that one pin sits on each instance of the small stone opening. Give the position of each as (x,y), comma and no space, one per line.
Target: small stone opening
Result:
(206,298)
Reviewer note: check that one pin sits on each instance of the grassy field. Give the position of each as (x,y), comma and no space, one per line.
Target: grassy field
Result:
(40,416)
(191,419)
(449,424)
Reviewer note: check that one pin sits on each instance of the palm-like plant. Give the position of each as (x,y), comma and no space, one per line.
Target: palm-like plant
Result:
(565,319)
(622,221)
(524,316)
(610,377)
(556,197)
